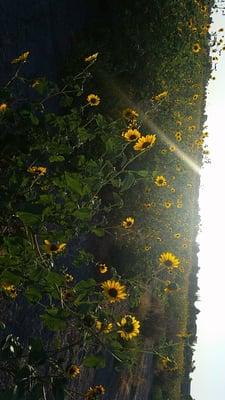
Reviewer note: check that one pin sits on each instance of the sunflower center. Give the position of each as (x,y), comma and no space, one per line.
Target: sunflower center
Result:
(54,247)
(132,137)
(145,144)
(128,223)
(113,292)
(128,327)
(93,100)
(168,263)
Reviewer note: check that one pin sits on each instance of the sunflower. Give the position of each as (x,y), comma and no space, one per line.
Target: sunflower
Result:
(131,134)
(35,83)
(93,57)
(73,371)
(147,205)
(164,361)
(160,96)
(170,287)
(160,181)
(172,148)
(128,222)
(163,151)
(10,290)
(95,392)
(205,134)
(168,364)
(204,9)
(102,268)
(195,97)
(190,23)
(114,291)
(3,107)
(129,327)
(22,58)
(167,204)
(37,170)
(196,48)
(144,142)
(130,114)
(93,99)
(69,278)
(183,335)
(191,128)
(179,123)
(177,235)
(68,294)
(54,247)
(104,327)
(169,260)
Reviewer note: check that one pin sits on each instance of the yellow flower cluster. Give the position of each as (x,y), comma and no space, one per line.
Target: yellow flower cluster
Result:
(37,170)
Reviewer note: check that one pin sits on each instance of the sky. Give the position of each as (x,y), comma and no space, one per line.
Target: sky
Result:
(208,379)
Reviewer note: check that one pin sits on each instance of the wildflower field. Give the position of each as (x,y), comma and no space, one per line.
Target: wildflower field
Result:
(99,192)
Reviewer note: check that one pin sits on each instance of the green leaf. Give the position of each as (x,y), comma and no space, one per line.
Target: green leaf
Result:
(143,173)
(30,116)
(28,218)
(118,200)
(94,361)
(85,285)
(154,174)
(66,101)
(37,352)
(52,323)
(73,181)
(45,199)
(84,214)
(83,135)
(9,277)
(112,145)
(33,295)
(56,159)
(98,231)
(54,278)
(128,181)
(2,325)
(100,120)
(116,182)
(58,387)
(55,318)
(8,394)
(36,392)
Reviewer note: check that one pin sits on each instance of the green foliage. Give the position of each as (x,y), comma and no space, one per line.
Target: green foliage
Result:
(70,174)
